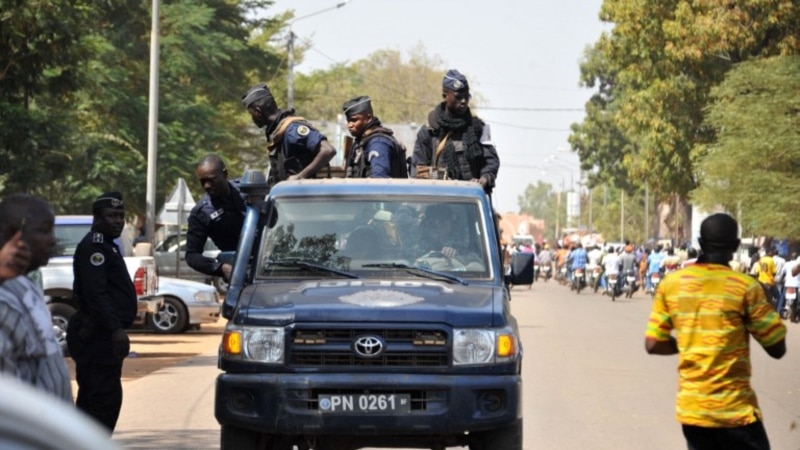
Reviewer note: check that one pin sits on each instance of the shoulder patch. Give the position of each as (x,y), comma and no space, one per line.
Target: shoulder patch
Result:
(97,238)
(303,130)
(97,259)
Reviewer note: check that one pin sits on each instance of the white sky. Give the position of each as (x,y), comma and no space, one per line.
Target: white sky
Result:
(516,53)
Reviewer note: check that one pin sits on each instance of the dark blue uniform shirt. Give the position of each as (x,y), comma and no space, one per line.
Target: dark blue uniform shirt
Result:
(220,219)
(103,287)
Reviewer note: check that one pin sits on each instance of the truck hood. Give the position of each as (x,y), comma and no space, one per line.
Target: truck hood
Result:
(350,301)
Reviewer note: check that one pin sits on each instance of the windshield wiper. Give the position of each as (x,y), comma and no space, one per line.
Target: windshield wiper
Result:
(308,265)
(422,271)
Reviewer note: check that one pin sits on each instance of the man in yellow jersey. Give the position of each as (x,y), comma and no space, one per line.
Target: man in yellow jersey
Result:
(765,270)
(713,311)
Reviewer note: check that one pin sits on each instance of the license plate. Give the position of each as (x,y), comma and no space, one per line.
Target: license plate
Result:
(365,403)
(631,279)
(791,294)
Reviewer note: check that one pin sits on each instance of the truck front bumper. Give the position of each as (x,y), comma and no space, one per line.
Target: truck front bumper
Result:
(441,404)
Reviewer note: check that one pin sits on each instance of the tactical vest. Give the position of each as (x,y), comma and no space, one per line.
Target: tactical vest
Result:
(359,167)
(281,166)
(438,165)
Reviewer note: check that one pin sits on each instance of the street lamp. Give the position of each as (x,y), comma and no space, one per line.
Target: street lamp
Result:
(290,51)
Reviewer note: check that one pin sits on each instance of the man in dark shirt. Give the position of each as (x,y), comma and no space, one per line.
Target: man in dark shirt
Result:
(453,144)
(96,335)
(297,150)
(376,153)
(219,215)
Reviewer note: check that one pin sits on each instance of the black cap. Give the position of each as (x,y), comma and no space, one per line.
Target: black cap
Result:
(454,81)
(111,200)
(719,231)
(358,105)
(257,94)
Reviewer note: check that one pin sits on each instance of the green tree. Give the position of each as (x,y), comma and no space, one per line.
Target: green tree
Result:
(754,163)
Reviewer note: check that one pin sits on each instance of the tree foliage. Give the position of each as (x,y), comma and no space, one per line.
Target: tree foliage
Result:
(754,163)
(402,90)
(654,71)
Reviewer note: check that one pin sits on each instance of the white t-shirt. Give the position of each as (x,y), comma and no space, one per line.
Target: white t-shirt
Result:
(611,263)
(791,281)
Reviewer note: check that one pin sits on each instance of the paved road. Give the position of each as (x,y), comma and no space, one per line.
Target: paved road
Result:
(588,383)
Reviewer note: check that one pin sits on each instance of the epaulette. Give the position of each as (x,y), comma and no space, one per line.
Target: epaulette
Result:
(97,238)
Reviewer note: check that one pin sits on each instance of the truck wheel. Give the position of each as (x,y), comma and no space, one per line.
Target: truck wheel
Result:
(171,318)
(509,438)
(232,438)
(61,313)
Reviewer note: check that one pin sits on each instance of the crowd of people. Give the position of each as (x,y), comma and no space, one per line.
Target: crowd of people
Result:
(779,274)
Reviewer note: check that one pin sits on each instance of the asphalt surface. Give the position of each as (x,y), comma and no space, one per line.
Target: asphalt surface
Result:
(589,384)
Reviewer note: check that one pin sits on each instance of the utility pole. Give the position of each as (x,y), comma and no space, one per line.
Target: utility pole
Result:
(621,215)
(152,129)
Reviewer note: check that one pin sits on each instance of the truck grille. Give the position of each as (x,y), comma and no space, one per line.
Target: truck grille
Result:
(412,347)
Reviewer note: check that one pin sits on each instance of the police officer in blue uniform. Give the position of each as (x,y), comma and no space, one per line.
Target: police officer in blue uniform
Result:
(296,149)
(453,143)
(219,215)
(107,304)
(376,153)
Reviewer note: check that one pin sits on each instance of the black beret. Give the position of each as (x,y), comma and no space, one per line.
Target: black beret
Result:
(257,93)
(358,105)
(111,200)
(454,81)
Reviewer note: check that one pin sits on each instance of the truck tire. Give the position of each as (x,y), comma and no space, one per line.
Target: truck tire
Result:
(171,318)
(61,313)
(508,438)
(233,438)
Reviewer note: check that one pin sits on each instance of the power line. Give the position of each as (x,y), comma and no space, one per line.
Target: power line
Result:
(502,108)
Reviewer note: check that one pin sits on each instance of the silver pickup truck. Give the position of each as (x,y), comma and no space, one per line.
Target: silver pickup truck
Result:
(57,277)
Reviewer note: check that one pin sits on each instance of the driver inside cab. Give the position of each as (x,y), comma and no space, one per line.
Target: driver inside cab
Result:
(443,243)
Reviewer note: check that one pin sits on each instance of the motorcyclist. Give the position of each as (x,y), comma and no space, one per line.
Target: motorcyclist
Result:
(629,265)
(611,265)
(579,259)
(653,266)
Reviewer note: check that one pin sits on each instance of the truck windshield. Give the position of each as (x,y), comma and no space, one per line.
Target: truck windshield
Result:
(362,236)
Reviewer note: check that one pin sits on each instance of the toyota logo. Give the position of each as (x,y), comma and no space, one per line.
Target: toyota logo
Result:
(368,346)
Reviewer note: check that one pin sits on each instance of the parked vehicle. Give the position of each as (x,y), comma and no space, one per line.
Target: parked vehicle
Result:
(187,305)
(342,337)
(57,277)
(171,261)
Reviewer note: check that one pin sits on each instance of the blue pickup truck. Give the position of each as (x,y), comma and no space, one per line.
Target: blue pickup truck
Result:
(369,313)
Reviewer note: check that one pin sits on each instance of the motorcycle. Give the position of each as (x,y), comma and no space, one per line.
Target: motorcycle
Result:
(594,277)
(578,280)
(562,275)
(655,278)
(629,286)
(612,289)
(546,269)
(790,311)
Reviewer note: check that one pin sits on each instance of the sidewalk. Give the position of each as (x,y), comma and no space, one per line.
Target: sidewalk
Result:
(172,408)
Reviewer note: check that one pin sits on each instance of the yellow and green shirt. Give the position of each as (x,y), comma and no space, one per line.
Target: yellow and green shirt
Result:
(713,310)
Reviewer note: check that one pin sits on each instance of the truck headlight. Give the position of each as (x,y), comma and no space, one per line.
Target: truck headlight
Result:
(257,344)
(474,346)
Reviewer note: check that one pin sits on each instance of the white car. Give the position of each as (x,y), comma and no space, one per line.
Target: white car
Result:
(187,304)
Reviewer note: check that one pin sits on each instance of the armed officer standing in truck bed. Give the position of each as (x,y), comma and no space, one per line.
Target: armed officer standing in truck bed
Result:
(107,301)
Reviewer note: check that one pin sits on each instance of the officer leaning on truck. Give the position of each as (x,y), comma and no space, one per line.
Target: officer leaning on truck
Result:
(107,303)
(218,216)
